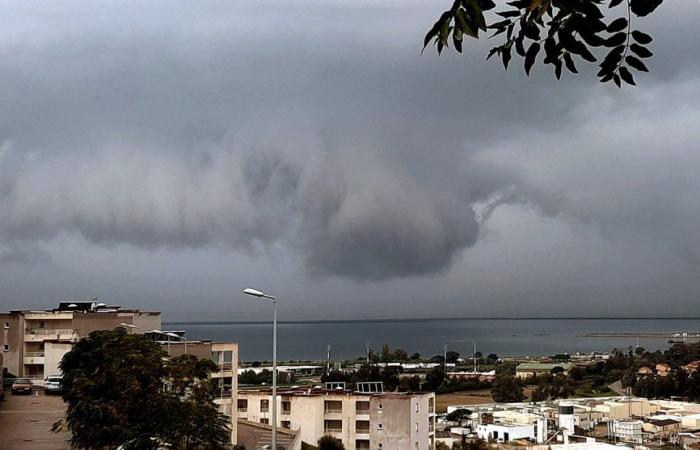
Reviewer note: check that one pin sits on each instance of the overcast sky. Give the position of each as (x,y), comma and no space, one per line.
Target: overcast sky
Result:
(166,154)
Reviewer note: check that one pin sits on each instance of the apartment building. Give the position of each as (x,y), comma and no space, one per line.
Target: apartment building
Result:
(225,355)
(34,342)
(361,420)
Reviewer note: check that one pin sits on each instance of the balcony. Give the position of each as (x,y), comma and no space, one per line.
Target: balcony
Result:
(333,426)
(34,358)
(43,334)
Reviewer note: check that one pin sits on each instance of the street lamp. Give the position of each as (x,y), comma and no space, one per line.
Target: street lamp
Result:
(164,334)
(179,337)
(130,327)
(260,294)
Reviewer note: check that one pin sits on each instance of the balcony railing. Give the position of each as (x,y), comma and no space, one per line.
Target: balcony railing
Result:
(362,430)
(362,411)
(33,354)
(333,410)
(242,409)
(286,412)
(224,367)
(332,430)
(49,331)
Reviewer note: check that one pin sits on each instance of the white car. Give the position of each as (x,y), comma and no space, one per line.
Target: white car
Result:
(53,385)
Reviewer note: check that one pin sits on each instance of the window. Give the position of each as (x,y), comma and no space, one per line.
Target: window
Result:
(7,325)
(264,405)
(416,426)
(265,421)
(6,348)
(416,407)
(41,324)
(380,427)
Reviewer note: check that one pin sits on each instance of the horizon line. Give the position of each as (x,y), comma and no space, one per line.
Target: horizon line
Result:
(414,319)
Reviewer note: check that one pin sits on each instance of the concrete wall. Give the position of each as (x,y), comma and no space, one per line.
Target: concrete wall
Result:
(391,422)
(14,338)
(53,353)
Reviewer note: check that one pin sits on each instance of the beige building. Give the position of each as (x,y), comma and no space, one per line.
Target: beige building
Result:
(362,421)
(34,342)
(225,355)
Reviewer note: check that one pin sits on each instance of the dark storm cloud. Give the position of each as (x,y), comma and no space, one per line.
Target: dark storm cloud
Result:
(238,125)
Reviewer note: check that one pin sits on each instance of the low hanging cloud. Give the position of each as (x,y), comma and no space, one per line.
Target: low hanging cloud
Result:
(357,220)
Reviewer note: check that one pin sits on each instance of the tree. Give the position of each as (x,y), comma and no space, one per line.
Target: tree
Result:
(507,389)
(567,30)
(459,415)
(415,356)
(330,443)
(387,356)
(400,355)
(435,378)
(452,357)
(439,445)
(120,389)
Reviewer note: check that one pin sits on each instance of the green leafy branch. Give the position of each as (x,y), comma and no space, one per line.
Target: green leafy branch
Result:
(567,30)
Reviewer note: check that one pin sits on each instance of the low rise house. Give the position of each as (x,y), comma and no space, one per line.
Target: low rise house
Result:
(645,371)
(663,369)
(691,367)
(476,376)
(528,370)
(661,427)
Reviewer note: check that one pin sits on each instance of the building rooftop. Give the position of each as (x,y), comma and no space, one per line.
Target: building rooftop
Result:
(543,366)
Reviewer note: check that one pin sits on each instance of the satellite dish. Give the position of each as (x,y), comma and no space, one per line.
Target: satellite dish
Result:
(72,305)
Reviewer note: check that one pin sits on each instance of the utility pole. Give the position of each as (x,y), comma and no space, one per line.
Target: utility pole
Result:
(444,350)
(328,359)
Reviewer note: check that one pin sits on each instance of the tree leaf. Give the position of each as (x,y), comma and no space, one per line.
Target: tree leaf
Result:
(617,25)
(557,69)
(643,8)
(530,56)
(636,63)
(614,3)
(640,51)
(642,38)
(508,14)
(505,56)
(616,80)
(616,39)
(627,76)
(569,61)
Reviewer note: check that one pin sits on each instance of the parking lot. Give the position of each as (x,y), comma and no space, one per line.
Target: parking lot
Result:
(25,422)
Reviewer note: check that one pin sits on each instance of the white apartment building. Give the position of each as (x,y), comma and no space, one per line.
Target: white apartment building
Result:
(34,342)
(629,431)
(362,421)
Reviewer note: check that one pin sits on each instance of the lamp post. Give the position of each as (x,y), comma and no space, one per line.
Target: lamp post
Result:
(179,337)
(260,294)
(164,334)
(130,327)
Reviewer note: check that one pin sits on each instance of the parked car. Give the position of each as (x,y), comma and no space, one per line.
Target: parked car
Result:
(53,385)
(21,386)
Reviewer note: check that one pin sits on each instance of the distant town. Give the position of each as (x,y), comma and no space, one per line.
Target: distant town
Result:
(385,399)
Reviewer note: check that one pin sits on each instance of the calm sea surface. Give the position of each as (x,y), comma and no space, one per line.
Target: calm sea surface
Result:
(505,337)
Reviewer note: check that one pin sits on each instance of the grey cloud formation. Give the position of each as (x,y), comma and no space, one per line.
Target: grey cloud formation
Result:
(315,138)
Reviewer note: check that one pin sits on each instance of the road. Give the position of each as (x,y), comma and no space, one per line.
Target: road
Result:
(25,422)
